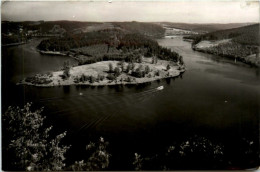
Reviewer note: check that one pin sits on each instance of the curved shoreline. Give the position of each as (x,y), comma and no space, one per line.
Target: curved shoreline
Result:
(208,47)
(101,68)
(97,84)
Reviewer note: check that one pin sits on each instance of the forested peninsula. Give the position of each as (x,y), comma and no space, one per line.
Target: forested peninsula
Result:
(109,56)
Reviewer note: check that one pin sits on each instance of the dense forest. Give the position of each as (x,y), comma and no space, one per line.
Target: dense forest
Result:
(248,35)
(242,42)
(108,44)
(148,29)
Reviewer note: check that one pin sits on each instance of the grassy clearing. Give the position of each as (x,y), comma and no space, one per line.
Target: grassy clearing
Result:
(100,74)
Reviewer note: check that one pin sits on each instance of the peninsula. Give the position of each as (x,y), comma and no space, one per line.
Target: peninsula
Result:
(110,54)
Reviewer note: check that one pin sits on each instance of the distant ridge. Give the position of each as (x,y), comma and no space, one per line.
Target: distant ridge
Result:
(238,43)
(246,35)
(202,28)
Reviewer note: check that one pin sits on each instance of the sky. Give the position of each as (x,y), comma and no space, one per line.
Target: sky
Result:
(145,11)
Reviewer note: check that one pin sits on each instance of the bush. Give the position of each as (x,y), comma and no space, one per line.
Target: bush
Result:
(157,73)
(128,68)
(110,68)
(29,143)
(139,73)
(168,67)
(181,60)
(138,162)
(122,65)
(147,69)
(84,78)
(117,71)
(92,79)
(111,77)
(76,80)
(66,70)
(100,77)
(98,160)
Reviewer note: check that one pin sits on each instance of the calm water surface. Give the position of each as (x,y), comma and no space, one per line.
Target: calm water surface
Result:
(215,98)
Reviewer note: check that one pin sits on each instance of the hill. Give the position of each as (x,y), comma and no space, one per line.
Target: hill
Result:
(147,29)
(203,28)
(238,43)
(21,32)
(107,44)
(247,35)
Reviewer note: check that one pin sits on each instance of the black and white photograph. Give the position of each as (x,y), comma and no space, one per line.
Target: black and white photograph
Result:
(116,85)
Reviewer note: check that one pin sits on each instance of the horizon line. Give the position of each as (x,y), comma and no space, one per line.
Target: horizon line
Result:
(125,21)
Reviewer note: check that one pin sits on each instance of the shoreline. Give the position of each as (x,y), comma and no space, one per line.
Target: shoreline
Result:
(14,44)
(94,70)
(209,47)
(100,84)
(240,59)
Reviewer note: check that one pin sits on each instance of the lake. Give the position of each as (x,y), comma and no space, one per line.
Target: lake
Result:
(215,98)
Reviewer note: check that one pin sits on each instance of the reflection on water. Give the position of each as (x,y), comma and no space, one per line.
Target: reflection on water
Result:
(214,98)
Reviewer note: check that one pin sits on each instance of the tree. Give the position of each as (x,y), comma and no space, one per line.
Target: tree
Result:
(139,59)
(117,71)
(168,67)
(110,67)
(66,70)
(111,77)
(157,73)
(122,65)
(138,162)
(147,69)
(154,60)
(181,60)
(132,66)
(101,77)
(29,143)
(98,160)
(92,79)
(128,68)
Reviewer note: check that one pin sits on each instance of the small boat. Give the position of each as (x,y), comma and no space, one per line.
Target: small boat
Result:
(160,88)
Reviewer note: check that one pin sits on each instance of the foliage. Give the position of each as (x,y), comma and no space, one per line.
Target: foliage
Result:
(110,68)
(100,45)
(157,73)
(154,60)
(83,78)
(92,79)
(148,29)
(128,67)
(122,65)
(100,77)
(98,160)
(138,162)
(139,72)
(66,70)
(197,150)
(111,76)
(147,69)
(29,143)
(39,79)
(181,60)
(247,35)
(117,71)
(168,67)
(232,50)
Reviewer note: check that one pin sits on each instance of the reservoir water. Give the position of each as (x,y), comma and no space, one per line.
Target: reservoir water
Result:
(215,98)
